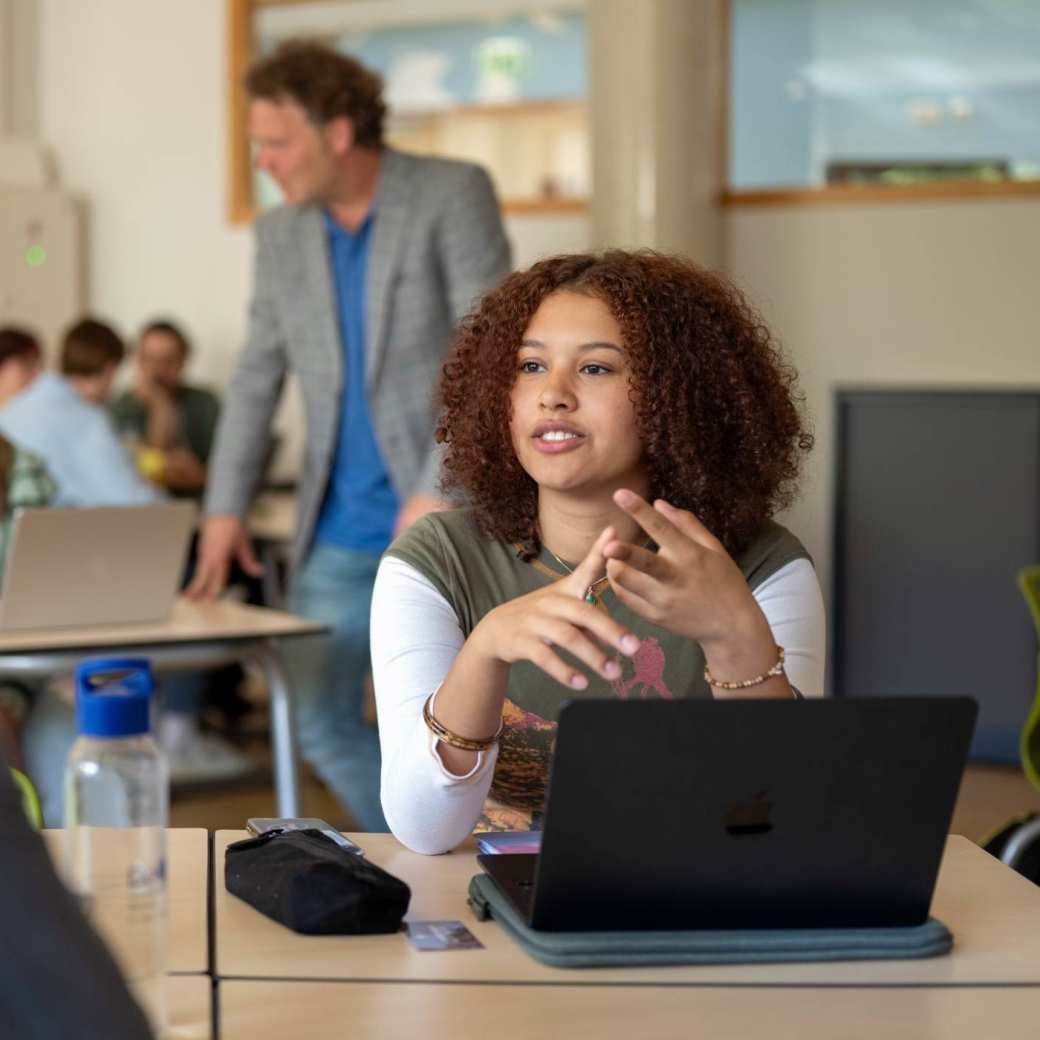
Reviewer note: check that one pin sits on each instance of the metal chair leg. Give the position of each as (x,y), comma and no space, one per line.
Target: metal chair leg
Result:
(1019,841)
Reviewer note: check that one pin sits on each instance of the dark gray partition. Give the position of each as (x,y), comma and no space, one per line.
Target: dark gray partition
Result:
(938,506)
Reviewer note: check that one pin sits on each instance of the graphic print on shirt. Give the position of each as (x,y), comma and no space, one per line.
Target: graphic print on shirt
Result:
(518,787)
(517,794)
(647,676)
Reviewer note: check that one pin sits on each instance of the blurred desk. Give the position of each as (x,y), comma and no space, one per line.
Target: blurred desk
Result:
(994,915)
(272,524)
(189,1003)
(187,896)
(195,636)
(272,516)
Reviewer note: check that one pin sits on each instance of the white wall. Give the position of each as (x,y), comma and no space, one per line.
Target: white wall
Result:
(924,294)
(132,102)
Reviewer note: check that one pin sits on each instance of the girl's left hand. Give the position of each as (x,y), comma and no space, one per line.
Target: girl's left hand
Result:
(690,586)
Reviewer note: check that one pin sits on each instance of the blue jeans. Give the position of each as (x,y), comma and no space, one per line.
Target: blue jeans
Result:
(334,586)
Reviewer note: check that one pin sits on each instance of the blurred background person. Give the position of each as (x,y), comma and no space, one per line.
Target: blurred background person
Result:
(166,414)
(56,417)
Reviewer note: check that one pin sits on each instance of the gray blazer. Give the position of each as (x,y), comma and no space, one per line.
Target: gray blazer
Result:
(437,245)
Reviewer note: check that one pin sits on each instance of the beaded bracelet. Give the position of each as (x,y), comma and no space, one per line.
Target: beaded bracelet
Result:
(777,669)
(445,735)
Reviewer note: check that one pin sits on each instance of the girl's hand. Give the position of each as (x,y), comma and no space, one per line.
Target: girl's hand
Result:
(529,627)
(690,586)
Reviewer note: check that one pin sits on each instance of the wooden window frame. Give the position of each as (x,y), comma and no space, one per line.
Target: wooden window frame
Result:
(241,204)
(846,194)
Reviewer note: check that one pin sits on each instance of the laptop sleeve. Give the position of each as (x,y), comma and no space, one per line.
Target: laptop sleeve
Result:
(750,946)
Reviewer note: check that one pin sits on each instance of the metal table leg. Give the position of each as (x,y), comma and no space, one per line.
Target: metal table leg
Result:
(283,744)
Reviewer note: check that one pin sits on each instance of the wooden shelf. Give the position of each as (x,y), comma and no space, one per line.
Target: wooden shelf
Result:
(528,207)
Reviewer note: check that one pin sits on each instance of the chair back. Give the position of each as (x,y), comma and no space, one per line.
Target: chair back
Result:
(1029,740)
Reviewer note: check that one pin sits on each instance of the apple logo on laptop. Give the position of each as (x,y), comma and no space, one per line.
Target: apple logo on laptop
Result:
(749,817)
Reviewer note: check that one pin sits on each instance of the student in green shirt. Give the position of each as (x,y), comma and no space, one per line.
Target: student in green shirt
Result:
(172,421)
(624,429)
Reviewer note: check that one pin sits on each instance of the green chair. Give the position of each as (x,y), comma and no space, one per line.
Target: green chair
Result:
(1019,840)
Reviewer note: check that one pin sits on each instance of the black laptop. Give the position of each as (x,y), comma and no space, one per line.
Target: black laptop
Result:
(692,814)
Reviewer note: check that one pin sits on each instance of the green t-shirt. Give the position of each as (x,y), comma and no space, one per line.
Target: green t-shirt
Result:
(475,574)
(197,413)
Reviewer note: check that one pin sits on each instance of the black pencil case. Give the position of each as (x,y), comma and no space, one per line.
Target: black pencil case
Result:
(307,882)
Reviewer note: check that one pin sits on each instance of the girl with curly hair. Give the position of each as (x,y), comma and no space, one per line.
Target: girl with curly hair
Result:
(623,428)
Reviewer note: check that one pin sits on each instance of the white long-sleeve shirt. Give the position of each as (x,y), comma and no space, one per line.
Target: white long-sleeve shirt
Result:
(415,639)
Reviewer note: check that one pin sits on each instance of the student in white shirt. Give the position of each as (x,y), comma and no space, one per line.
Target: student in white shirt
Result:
(624,428)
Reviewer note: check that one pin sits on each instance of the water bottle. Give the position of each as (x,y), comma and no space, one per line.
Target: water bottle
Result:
(116,805)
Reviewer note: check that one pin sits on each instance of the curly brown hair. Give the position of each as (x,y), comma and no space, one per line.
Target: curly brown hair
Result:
(716,405)
(325,84)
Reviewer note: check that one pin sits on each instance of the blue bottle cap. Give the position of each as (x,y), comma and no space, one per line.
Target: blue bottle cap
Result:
(113,695)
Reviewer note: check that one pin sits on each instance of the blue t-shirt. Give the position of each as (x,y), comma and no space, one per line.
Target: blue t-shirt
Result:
(360,503)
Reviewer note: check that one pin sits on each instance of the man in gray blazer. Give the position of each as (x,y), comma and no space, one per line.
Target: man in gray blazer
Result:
(360,278)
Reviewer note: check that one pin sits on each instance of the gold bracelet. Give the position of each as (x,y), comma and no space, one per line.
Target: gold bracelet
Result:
(445,735)
(777,669)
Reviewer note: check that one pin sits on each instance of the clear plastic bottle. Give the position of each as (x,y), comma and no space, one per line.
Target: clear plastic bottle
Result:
(116,808)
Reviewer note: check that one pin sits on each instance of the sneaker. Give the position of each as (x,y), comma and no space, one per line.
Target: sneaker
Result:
(205,757)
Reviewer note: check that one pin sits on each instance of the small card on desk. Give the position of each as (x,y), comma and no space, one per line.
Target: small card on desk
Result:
(442,935)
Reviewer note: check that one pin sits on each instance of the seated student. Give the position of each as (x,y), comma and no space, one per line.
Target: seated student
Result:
(45,414)
(91,354)
(24,484)
(177,423)
(167,414)
(576,394)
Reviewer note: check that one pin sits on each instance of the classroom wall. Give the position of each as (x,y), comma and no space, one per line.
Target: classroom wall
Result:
(133,106)
(899,293)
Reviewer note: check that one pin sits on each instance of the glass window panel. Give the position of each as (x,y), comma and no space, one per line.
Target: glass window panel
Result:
(883,91)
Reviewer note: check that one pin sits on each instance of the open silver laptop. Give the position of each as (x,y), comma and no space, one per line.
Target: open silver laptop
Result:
(99,566)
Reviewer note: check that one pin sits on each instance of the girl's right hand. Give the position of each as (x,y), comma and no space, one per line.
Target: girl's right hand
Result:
(529,627)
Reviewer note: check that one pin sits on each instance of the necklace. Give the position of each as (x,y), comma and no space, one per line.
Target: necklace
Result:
(592,592)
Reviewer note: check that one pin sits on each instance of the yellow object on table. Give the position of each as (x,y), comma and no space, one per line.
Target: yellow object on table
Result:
(151,463)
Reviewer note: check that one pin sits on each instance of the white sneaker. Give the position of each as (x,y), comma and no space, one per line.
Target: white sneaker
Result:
(203,757)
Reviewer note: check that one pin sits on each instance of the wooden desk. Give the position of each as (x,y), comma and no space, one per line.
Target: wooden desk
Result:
(993,913)
(187,895)
(189,1003)
(196,635)
(258,1010)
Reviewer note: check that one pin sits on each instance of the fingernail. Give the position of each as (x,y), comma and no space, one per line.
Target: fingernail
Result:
(612,669)
(623,497)
(579,682)
(630,644)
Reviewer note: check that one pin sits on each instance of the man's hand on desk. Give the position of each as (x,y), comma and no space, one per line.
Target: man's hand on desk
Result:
(416,507)
(224,538)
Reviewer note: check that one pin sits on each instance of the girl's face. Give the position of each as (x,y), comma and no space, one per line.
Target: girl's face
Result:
(573,426)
